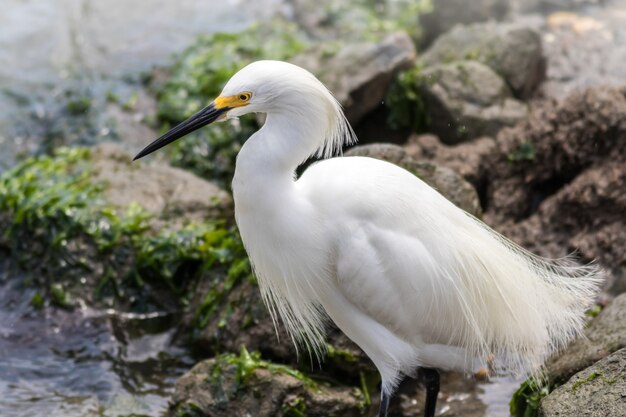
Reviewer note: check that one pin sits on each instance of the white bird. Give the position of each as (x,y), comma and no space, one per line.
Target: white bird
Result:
(412,279)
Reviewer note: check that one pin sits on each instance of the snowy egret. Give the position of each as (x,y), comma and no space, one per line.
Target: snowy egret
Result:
(413,280)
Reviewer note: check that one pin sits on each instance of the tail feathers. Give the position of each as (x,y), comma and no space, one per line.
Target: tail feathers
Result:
(518,307)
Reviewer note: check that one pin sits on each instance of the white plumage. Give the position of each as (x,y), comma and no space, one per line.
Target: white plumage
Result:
(408,276)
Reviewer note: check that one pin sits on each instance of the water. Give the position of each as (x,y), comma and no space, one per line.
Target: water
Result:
(84,362)
(47,45)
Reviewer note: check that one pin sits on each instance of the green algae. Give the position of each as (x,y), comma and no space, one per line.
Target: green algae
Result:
(525,401)
(405,102)
(57,224)
(248,362)
(524,152)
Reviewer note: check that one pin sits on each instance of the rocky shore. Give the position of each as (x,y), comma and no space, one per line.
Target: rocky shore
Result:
(482,105)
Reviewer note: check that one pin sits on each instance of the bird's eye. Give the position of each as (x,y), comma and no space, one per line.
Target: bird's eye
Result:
(244,97)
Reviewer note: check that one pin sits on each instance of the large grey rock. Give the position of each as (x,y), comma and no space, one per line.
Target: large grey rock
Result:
(448,13)
(604,335)
(359,73)
(246,386)
(598,391)
(514,52)
(162,190)
(466,99)
(449,183)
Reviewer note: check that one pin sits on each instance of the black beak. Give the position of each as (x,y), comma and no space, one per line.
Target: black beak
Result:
(204,117)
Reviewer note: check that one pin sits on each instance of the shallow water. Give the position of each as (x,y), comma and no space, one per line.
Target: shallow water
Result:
(84,362)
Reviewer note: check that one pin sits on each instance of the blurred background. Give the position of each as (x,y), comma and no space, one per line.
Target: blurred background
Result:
(116,279)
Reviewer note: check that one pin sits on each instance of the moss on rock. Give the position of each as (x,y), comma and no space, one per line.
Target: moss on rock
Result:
(59,225)
(229,385)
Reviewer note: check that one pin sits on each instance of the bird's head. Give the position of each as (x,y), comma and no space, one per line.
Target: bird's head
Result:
(264,87)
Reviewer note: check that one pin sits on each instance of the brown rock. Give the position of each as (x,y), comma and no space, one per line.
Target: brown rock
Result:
(161,189)
(469,159)
(557,182)
(222,388)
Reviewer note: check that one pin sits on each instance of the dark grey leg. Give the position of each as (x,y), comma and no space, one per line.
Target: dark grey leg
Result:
(431,381)
(384,404)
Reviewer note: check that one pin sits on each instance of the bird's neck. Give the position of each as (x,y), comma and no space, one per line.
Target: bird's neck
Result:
(270,157)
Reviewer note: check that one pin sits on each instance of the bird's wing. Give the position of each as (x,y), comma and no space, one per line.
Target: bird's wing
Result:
(432,274)
(392,244)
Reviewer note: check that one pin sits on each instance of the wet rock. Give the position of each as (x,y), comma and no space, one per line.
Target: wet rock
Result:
(449,183)
(247,386)
(598,391)
(359,73)
(513,51)
(162,190)
(448,13)
(604,335)
(466,99)
(240,319)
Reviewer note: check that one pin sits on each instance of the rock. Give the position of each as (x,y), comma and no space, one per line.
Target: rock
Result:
(585,50)
(466,99)
(241,319)
(545,6)
(161,189)
(513,51)
(450,184)
(598,391)
(230,386)
(555,184)
(603,336)
(448,13)
(469,159)
(359,73)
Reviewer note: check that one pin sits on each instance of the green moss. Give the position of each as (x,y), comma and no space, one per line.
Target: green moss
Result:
(37,301)
(295,407)
(405,102)
(525,401)
(79,105)
(55,220)
(340,354)
(594,311)
(592,376)
(248,362)
(59,296)
(524,152)
(189,409)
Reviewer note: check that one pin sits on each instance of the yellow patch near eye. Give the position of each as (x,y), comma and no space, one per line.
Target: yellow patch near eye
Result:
(238,100)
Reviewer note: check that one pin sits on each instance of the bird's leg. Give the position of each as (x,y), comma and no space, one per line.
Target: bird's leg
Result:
(384,404)
(431,380)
